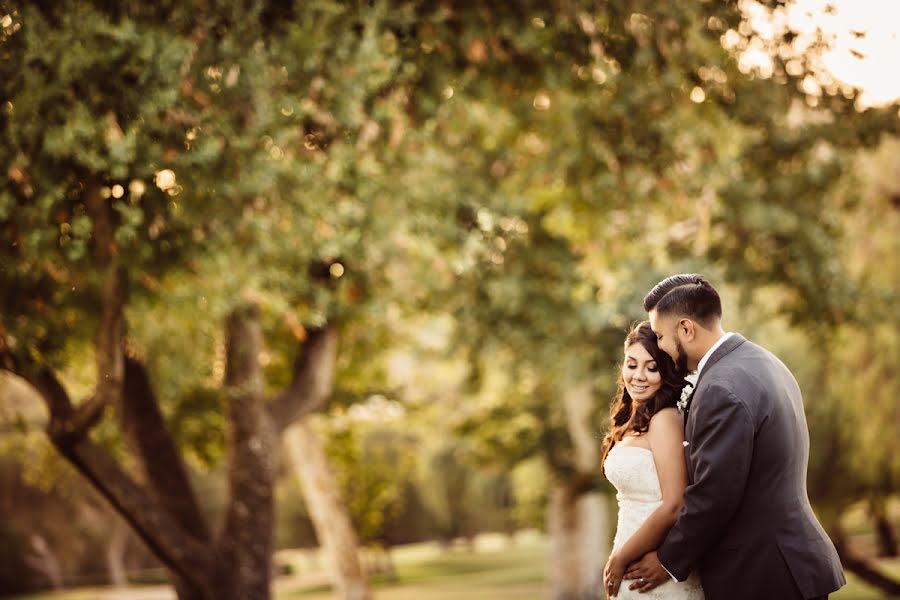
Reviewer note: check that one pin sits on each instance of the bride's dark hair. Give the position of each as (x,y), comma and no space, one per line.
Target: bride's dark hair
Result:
(627,416)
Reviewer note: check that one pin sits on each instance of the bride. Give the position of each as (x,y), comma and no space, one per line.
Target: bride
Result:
(644,460)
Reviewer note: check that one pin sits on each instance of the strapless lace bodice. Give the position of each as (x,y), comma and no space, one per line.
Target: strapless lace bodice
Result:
(632,472)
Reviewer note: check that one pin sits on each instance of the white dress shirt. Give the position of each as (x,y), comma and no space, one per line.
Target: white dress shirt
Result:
(712,349)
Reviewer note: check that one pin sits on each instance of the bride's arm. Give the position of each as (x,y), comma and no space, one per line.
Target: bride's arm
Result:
(665,435)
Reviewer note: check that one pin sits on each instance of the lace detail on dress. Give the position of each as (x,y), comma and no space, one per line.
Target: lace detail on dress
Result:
(633,473)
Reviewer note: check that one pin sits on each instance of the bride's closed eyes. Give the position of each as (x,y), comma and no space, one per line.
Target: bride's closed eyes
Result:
(652,368)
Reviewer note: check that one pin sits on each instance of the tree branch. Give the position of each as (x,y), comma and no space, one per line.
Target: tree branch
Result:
(180,552)
(61,423)
(98,210)
(313,379)
(145,430)
(108,344)
(109,351)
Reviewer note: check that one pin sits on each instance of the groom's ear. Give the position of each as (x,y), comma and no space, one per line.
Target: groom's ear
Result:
(686,327)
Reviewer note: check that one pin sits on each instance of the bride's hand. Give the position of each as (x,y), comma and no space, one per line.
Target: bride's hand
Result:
(612,575)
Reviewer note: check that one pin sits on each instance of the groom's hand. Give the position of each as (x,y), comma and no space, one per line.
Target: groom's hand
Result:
(648,573)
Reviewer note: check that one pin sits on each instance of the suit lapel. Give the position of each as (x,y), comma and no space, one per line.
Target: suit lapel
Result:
(726,348)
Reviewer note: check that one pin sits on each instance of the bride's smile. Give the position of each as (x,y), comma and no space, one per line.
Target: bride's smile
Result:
(640,373)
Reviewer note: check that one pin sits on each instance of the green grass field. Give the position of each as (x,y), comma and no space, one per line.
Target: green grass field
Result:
(495,571)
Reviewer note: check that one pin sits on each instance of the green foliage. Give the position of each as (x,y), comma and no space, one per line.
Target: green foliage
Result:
(855,413)
(233,154)
(530,485)
(294,528)
(373,467)
(642,150)
(448,480)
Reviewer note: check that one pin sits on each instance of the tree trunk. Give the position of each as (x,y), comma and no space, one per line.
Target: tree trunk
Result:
(887,538)
(593,533)
(42,560)
(115,554)
(383,561)
(568,579)
(186,590)
(329,515)
(577,519)
(246,545)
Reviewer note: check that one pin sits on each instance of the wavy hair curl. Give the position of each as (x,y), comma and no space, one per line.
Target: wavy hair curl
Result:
(627,416)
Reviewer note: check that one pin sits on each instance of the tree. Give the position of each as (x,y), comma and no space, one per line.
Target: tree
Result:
(87,237)
(328,511)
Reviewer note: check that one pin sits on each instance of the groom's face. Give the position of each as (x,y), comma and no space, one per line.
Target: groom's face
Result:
(666,329)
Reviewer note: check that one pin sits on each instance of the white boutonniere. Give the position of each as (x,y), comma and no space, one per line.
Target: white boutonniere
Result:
(687,392)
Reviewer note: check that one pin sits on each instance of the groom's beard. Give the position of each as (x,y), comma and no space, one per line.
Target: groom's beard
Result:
(681,360)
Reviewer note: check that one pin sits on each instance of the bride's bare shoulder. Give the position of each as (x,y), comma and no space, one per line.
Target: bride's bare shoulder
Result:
(667,414)
(666,431)
(667,419)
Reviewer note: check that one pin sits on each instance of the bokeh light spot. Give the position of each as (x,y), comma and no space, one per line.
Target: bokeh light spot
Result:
(137,187)
(165,179)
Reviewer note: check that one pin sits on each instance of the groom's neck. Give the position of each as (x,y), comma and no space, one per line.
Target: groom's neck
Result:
(706,339)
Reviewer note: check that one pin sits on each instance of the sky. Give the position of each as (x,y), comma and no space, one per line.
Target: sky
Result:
(870,61)
(864,39)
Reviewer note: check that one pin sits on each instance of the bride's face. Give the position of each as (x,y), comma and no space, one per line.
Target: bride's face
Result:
(640,373)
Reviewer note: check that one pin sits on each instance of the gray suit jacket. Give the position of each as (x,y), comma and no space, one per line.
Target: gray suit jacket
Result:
(746,524)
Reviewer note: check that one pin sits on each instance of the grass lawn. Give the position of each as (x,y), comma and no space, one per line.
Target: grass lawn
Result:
(496,571)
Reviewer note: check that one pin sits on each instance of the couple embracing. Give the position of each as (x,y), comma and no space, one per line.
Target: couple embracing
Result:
(708,451)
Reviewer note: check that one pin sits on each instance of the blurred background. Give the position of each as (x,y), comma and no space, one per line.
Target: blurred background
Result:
(326,299)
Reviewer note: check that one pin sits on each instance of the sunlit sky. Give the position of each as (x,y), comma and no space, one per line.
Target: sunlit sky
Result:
(864,38)
(871,62)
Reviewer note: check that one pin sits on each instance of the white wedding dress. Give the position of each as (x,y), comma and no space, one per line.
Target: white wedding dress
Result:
(633,473)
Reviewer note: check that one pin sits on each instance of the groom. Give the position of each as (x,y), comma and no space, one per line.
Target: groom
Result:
(746,524)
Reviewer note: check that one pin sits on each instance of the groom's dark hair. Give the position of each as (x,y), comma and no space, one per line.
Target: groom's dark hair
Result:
(689,295)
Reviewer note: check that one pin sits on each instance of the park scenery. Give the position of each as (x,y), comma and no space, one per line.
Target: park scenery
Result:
(313,299)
